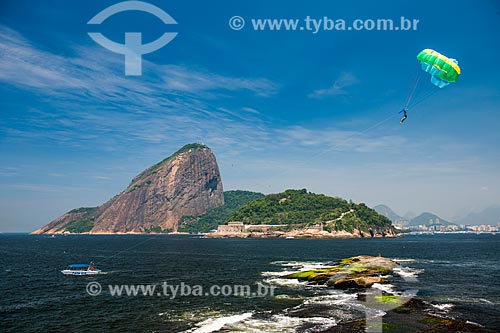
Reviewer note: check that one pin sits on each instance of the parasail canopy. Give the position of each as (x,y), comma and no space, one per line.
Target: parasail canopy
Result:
(443,70)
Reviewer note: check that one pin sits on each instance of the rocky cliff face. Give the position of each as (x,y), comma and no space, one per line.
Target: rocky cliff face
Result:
(186,183)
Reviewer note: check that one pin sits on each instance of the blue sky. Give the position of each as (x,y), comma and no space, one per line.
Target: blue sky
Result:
(280,109)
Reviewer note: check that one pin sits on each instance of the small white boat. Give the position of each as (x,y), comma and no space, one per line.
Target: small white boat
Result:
(81,270)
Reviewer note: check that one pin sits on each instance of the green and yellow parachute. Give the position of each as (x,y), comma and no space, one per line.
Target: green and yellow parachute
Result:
(443,70)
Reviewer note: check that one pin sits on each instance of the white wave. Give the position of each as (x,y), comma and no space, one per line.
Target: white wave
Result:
(297,266)
(407,272)
(313,265)
(281,273)
(341,303)
(443,307)
(282,324)
(388,288)
(215,324)
(431,261)
(333,298)
(276,323)
(321,323)
(349,301)
(288,297)
(403,260)
(301,265)
(473,323)
(285,282)
(484,300)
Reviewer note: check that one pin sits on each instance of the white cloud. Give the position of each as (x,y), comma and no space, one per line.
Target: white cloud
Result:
(332,139)
(344,81)
(250,110)
(183,79)
(96,102)
(100,73)
(46,187)
(101,177)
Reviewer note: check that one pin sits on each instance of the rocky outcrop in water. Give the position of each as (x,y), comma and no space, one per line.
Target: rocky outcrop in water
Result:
(184,184)
(355,272)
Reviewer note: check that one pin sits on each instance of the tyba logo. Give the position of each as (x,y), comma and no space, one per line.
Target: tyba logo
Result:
(133,49)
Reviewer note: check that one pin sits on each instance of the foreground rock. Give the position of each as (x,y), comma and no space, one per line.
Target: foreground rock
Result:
(414,316)
(402,313)
(184,184)
(354,272)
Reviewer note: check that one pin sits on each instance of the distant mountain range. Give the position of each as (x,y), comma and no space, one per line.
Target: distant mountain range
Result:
(388,212)
(408,216)
(488,216)
(428,219)
(410,219)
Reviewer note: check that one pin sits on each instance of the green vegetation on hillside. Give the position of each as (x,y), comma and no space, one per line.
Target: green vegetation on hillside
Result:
(302,208)
(215,216)
(157,230)
(82,224)
(78,226)
(87,210)
(137,186)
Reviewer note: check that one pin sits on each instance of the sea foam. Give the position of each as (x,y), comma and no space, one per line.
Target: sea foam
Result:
(215,324)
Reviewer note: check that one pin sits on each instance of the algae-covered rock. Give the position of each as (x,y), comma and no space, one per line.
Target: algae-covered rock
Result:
(357,282)
(354,272)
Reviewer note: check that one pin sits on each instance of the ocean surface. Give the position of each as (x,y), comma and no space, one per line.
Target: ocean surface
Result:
(458,276)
